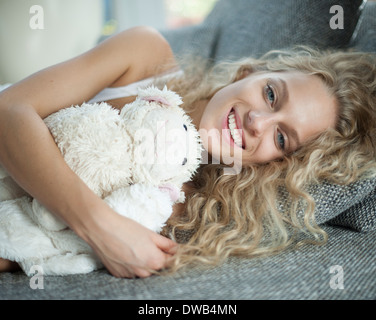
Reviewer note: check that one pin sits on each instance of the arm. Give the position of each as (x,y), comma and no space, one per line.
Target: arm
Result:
(29,154)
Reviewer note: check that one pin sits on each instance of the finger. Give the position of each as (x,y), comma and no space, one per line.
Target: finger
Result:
(128,271)
(162,263)
(168,258)
(119,271)
(165,244)
(142,273)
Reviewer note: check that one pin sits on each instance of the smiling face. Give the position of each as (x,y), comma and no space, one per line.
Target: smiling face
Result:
(264,116)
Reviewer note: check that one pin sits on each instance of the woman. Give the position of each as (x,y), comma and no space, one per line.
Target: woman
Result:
(267,117)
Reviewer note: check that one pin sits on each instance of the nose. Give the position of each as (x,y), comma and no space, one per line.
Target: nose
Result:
(259,122)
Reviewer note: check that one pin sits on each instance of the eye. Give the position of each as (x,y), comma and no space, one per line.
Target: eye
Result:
(185,127)
(184,161)
(281,142)
(270,95)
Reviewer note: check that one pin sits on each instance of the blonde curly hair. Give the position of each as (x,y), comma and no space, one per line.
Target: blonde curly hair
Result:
(243,214)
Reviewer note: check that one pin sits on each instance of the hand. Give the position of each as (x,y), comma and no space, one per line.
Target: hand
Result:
(127,249)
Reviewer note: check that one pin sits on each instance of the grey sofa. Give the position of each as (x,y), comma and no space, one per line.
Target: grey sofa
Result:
(344,268)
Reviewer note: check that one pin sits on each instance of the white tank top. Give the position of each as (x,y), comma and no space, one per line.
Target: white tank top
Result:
(131,89)
(4,86)
(125,91)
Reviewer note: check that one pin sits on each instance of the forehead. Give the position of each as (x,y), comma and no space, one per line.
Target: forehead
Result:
(294,77)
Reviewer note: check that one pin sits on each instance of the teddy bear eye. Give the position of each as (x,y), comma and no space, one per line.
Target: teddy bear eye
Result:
(185,127)
(184,161)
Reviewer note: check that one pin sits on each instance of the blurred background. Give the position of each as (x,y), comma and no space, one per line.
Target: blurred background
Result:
(35,34)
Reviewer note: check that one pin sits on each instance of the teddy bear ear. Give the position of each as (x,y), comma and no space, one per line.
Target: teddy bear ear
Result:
(163,97)
(157,99)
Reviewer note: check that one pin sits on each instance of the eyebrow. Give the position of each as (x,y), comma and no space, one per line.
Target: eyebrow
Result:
(282,99)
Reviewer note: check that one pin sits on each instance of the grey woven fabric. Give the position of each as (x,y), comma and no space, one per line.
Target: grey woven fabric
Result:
(253,27)
(365,34)
(360,217)
(294,274)
(351,206)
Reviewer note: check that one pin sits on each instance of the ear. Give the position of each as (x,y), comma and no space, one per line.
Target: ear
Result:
(243,72)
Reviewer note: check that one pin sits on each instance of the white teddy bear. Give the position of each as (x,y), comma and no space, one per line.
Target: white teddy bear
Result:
(136,160)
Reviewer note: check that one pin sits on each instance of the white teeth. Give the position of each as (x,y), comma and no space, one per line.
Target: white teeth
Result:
(234,131)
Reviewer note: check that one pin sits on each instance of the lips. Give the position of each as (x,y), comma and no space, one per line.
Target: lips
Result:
(234,125)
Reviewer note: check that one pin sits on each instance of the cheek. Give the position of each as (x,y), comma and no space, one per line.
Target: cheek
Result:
(207,117)
(221,99)
(265,152)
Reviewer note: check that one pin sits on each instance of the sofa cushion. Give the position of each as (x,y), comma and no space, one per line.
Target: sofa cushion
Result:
(359,217)
(252,27)
(364,38)
(352,206)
